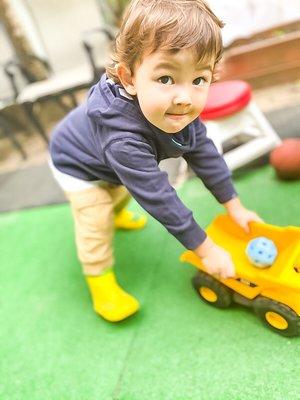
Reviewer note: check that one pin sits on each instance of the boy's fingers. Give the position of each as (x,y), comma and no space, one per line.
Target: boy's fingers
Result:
(231,269)
(230,274)
(246,227)
(256,218)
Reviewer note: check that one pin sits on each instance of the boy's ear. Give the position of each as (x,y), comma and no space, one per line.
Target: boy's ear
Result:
(126,78)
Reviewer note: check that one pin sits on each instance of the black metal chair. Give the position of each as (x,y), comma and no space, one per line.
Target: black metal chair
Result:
(96,43)
(28,93)
(9,122)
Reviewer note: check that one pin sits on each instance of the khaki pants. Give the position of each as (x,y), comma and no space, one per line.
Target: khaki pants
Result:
(93,211)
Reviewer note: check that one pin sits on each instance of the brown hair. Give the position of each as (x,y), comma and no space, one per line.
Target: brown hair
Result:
(167,25)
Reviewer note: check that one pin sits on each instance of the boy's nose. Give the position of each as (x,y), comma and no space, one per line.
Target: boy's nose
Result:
(182,99)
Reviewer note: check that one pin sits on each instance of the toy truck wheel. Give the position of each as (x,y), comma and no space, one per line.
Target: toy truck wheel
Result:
(211,290)
(277,316)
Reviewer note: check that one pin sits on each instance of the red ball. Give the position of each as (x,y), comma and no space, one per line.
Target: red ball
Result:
(286,159)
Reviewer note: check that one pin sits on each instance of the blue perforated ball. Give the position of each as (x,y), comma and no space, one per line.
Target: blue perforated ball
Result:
(261,252)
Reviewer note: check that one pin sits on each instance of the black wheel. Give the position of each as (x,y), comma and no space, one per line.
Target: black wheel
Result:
(277,316)
(211,290)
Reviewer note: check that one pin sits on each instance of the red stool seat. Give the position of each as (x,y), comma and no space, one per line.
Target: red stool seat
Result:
(226,98)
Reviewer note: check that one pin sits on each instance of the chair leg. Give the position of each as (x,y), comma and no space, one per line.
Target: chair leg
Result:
(10,135)
(61,104)
(261,137)
(74,101)
(28,108)
(263,123)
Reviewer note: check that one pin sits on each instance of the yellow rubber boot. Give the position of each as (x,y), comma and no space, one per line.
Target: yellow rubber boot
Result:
(109,299)
(126,219)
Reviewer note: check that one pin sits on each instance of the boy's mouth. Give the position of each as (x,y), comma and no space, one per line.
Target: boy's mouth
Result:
(176,116)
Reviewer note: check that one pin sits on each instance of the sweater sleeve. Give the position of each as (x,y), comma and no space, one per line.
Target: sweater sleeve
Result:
(210,167)
(136,167)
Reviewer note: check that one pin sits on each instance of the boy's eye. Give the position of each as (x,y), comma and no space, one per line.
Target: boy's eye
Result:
(166,80)
(199,81)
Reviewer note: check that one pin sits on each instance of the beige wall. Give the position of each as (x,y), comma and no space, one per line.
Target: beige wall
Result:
(246,17)
(58,25)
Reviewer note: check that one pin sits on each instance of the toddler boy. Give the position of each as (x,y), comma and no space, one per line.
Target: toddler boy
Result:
(143,110)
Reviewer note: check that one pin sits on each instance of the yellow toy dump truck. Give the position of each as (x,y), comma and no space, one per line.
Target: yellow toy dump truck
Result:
(273,292)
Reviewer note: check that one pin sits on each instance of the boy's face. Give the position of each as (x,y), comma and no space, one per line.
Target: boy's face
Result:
(171,88)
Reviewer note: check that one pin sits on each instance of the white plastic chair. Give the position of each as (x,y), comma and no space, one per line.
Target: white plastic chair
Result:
(235,123)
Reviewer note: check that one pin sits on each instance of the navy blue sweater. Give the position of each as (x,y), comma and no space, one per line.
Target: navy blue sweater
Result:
(108,138)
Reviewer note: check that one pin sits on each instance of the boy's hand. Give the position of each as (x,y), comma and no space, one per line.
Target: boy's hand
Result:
(241,215)
(215,259)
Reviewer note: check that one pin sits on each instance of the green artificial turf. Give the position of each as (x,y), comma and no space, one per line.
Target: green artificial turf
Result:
(53,346)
